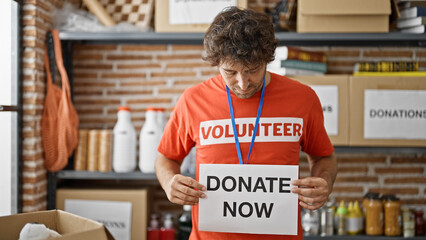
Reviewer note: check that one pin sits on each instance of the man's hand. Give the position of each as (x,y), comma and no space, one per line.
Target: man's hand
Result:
(184,190)
(313,192)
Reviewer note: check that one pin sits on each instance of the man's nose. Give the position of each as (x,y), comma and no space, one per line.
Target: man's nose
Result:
(242,81)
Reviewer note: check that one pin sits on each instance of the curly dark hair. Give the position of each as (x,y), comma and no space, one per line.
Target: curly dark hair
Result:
(241,36)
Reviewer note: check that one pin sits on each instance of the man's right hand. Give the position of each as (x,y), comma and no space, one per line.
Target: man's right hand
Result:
(184,190)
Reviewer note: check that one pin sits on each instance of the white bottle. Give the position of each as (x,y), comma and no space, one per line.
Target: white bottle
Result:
(148,141)
(160,117)
(124,150)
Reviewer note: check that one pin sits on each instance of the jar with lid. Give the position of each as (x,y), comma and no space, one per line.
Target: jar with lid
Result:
(310,222)
(373,207)
(420,222)
(392,209)
(408,224)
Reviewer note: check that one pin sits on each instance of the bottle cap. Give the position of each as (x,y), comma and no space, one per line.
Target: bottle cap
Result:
(168,223)
(151,109)
(154,222)
(187,208)
(342,210)
(124,108)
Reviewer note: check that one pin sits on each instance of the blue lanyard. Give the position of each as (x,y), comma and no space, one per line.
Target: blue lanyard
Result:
(234,127)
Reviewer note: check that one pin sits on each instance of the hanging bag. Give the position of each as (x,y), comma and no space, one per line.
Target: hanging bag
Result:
(60,120)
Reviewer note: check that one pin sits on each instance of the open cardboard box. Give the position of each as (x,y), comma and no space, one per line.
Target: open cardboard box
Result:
(70,226)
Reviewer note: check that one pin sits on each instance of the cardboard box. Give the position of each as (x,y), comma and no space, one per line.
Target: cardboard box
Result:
(70,226)
(334,97)
(124,212)
(163,22)
(384,113)
(343,16)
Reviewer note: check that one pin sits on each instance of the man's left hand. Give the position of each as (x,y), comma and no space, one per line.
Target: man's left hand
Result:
(313,192)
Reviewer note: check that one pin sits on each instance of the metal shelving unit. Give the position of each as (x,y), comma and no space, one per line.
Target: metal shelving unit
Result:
(362,237)
(285,38)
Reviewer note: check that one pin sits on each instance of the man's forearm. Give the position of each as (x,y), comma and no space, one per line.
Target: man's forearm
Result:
(165,169)
(324,167)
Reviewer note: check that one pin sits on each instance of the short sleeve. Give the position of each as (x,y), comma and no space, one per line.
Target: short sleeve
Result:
(176,141)
(316,141)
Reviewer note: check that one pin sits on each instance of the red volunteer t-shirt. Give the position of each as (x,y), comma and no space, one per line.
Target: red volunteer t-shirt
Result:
(291,120)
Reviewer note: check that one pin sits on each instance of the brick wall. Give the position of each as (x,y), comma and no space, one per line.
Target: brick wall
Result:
(139,76)
(107,76)
(36,20)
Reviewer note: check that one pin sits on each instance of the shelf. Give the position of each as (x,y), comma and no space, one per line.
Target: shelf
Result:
(86,175)
(362,237)
(285,38)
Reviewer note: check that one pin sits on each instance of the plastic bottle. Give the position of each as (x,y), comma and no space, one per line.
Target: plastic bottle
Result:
(161,120)
(354,219)
(167,232)
(185,223)
(341,213)
(148,141)
(153,232)
(124,147)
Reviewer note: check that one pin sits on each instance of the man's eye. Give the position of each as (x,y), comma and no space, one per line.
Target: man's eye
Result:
(230,73)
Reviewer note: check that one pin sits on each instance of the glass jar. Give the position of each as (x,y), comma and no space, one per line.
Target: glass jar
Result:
(420,222)
(408,224)
(373,207)
(392,209)
(310,222)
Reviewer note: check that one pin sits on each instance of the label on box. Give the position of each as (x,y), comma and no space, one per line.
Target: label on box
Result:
(196,11)
(114,215)
(395,114)
(248,198)
(329,98)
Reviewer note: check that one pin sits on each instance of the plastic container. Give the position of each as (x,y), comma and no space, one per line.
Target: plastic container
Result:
(124,147)
(341,213)
(167,232)
(354,219)
(373,207)
(161,120)
(392,209)
(185,223)
(153,232)
(149,140)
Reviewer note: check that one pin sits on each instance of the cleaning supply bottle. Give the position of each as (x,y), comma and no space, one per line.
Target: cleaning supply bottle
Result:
(167,232)
(149,140)
(124,147)
(185,223)
(354,219)
(341,213)
(153,232)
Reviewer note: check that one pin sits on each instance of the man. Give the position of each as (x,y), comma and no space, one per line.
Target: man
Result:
(241,43)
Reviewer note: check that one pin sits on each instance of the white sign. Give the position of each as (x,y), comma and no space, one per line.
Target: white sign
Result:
(248,199)
(116,216)
(329,98)
(196,11)
(269,130)
(395,114)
